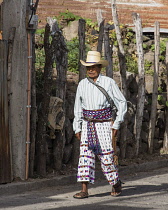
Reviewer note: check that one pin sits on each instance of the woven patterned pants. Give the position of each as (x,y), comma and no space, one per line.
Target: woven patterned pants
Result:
(86,166)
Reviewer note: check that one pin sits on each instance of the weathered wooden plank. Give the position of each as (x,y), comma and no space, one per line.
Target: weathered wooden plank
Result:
(82,48)
(165,143)
(43,113)
(61,58)
(101,36)
(33,119)
(152,123)
(141,82)
(108,52)
(5,159)
(122,63)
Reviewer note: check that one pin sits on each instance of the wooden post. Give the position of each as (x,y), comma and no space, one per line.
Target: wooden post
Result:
(14,15)
(33,120)
(82,48)
(152,123)
(165,143)
(5,159)
(122,62)
(61,58)
(121,48)
(101,36)
(43,112)
(99,16)
(108,52)
(141,82)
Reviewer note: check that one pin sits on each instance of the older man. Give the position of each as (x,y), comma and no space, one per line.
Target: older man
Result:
(94,124)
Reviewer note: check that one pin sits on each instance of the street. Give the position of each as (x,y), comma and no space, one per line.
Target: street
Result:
(145,190)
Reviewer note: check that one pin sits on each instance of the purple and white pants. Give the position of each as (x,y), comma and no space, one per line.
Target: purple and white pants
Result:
(86,165)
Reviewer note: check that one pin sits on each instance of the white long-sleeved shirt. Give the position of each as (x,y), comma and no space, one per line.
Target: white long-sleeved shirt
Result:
(89,97)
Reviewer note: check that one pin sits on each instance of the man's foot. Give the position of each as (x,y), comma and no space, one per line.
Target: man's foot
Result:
(81,195)
(116,189)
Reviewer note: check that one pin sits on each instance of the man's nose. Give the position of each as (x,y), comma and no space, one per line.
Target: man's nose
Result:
(90,69)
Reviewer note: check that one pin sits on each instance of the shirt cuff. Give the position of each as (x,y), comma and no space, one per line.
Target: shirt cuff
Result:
(77,131)
(116,125)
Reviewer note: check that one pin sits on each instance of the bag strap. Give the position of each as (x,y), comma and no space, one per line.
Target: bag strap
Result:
(104,92)
(113,115)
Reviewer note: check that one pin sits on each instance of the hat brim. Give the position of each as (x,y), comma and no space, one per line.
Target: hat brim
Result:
(104,63)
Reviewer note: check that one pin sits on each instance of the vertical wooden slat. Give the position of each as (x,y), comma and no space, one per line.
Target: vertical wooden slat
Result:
(33,112)
(0,22)
(100,38)
(152,123)
(141,80)
(5,162)
(165,143)
(108,52)
(122,63)
(82,48)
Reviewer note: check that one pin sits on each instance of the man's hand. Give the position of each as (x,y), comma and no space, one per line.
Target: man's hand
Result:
(115,132)
(78,135)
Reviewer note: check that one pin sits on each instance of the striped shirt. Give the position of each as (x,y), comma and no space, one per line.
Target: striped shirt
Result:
(89,97)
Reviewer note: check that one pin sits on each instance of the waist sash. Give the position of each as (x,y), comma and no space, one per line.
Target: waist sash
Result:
(93,116)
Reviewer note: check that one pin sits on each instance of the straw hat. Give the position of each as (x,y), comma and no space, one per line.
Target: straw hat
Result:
(94,58)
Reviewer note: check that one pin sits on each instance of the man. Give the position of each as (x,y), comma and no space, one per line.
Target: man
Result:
(94,126)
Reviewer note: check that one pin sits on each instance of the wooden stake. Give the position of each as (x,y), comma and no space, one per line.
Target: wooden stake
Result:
(122,63)
(155,89)
(165,143)
(141,82)
(82,48)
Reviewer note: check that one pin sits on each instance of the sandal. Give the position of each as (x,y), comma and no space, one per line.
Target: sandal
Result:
(116,189)
(81,195)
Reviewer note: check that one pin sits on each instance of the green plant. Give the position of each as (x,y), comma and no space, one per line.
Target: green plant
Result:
(161,100)
(73,54)
(68,16)
(148,69)
(167,103)
(161,94)
(145,46)
(113,37)
(39,65)
(91,25)
(162,49)
(131,63)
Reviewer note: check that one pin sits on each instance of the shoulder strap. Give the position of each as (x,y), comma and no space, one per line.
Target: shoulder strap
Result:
(104,92)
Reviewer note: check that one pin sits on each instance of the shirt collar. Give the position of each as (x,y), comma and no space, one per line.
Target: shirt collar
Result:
(98,81)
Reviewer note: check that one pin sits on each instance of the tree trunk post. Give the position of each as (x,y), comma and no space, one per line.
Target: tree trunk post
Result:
(100,38)
(122,63)
(141,82)
(18,95)
(43,112)
(33,120)
(99,16)
(165,142)
(108,52)
(61,58)
(5,158)
(82,48)
(152,123)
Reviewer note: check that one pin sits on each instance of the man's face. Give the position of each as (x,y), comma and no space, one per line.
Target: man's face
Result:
(93,71)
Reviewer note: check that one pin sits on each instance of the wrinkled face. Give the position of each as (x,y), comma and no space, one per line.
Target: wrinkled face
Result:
(93,71)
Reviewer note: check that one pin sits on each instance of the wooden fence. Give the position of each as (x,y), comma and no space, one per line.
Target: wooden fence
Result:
(5,158)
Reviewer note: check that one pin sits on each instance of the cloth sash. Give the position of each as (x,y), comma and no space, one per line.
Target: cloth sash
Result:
(93,141)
